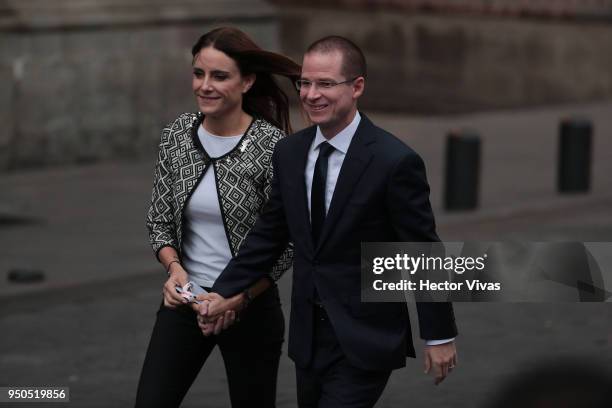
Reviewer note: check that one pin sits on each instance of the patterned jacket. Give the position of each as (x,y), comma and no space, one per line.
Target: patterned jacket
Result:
(243,179)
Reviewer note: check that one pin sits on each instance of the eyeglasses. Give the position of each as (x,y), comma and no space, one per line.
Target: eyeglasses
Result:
(307,84)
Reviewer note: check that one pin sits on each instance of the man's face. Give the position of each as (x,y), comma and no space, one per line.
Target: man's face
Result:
(332,109)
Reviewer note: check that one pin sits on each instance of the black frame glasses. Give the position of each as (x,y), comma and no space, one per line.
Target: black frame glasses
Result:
(305,83)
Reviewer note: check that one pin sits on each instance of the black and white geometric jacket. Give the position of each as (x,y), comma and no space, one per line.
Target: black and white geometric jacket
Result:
(243,178)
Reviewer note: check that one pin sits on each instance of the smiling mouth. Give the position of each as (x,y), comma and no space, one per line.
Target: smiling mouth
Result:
(316,108)
(208,98)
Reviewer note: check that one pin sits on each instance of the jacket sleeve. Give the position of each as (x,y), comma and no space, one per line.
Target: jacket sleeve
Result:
(160,217)
(285,261)
(262,247)
(412,217)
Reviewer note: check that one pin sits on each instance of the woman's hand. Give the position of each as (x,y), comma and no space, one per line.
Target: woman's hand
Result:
(178,276)
(216,313)
(223,322)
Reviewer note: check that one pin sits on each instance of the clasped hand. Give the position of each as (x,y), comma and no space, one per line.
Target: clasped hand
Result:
(215,313)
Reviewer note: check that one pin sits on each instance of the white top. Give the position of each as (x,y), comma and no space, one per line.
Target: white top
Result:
(206,250)
(341,143)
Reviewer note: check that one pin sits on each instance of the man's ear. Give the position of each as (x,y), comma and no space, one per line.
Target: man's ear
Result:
(247,82)
(358,87)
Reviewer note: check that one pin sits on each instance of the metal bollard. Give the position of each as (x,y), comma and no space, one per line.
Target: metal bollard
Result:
(574,166)
(462,171)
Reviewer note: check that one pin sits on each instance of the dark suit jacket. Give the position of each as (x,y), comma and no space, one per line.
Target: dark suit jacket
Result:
(381,195)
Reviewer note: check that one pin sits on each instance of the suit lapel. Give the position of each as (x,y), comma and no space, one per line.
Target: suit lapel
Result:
(357,159)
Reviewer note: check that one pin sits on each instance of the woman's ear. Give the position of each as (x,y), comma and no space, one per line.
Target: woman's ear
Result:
(247,82)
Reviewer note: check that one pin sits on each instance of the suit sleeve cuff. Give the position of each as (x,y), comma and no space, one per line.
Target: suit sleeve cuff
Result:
(438,342)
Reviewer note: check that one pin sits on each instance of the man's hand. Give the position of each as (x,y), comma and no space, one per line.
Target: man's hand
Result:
(442,359)
(217,305)
(178,276)
(216,313)
(223,322)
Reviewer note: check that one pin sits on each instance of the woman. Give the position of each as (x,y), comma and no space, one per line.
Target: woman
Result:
(211,180)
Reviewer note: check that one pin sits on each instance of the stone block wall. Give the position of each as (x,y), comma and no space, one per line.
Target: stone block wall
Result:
(430,63)
(87,80)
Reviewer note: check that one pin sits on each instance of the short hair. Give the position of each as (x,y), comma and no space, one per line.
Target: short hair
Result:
(353,60)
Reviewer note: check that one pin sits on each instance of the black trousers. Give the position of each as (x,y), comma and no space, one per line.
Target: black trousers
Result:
(250,349)
(330,381)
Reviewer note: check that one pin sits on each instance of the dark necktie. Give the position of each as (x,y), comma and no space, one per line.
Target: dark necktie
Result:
(317,193)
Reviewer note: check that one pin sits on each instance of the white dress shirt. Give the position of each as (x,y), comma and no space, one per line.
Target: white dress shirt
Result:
(341,143)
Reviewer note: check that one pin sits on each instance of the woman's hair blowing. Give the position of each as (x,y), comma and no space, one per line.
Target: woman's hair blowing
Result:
(265,98)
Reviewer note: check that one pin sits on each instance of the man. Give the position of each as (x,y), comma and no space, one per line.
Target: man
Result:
(339,183)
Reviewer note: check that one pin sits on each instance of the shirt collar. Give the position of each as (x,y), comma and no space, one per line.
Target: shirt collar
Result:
(342,140)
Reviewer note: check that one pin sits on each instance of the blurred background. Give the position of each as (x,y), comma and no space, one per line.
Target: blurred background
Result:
(509,102)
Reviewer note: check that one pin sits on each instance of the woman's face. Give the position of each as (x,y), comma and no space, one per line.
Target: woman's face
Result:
(217,83)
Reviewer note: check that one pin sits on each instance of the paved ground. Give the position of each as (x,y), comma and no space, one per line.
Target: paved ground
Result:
(87,325)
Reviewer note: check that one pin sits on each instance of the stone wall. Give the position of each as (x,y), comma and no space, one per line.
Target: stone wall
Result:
(87,80)
(567,9)
(84,80)
(432,63)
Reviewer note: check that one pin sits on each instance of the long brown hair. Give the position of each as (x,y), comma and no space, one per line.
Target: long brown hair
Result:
(265,98)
